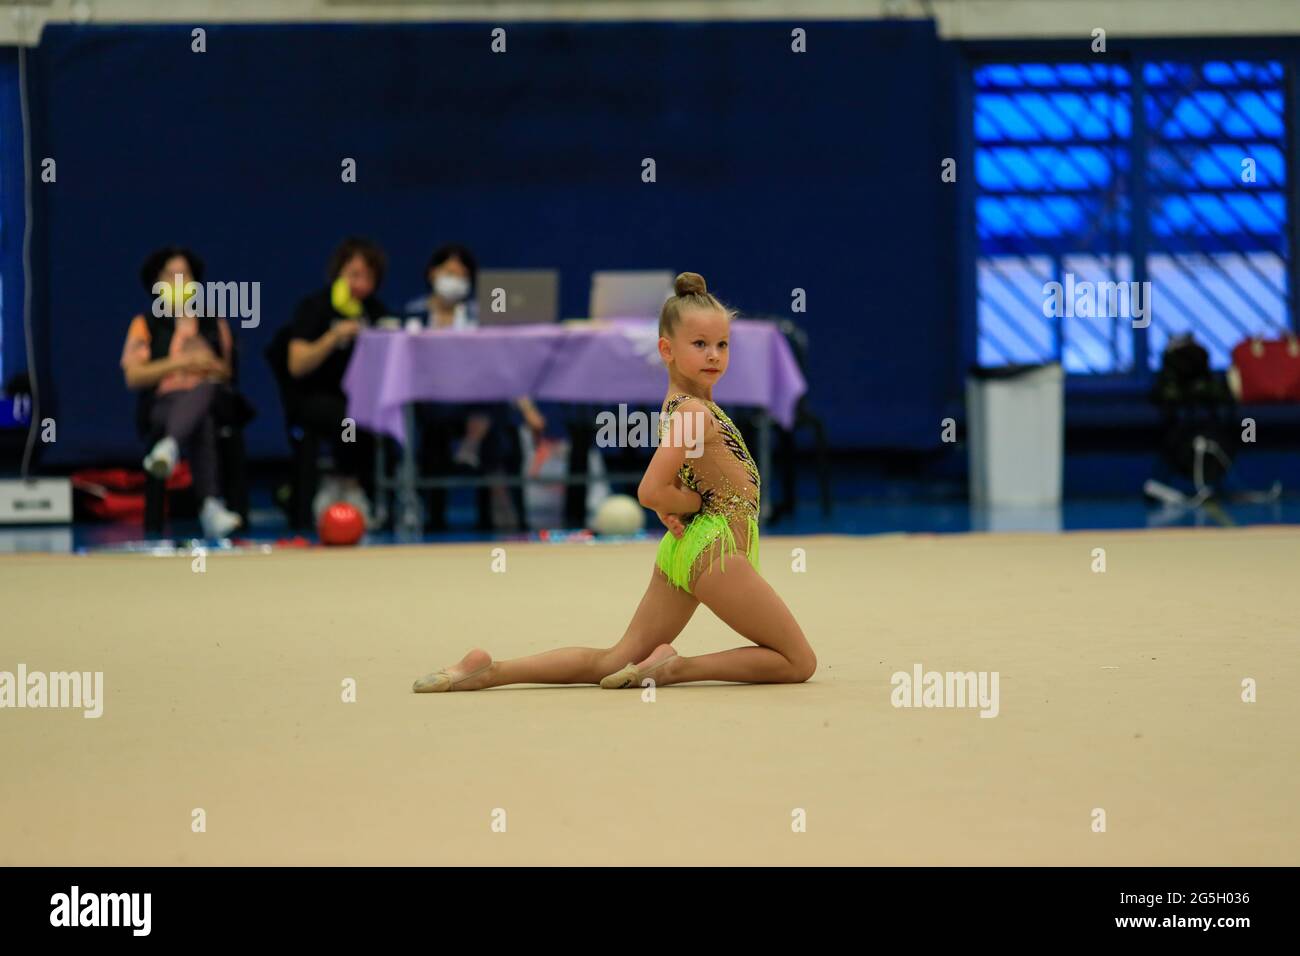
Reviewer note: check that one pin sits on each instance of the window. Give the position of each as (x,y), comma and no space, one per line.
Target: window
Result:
(1057,156)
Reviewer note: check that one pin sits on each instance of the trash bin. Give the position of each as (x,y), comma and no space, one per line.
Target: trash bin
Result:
(1015,429)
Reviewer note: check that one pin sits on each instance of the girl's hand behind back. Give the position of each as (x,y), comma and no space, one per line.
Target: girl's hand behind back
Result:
(672,523)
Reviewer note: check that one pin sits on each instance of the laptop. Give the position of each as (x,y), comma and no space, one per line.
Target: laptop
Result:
(630,295)
(527,296)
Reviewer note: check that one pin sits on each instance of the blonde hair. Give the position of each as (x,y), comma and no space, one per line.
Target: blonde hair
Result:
(690,292)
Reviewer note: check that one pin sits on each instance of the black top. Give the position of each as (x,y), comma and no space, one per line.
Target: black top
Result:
(312,319)
(161,329)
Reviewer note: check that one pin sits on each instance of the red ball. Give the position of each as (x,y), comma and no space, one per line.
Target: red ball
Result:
(341,523)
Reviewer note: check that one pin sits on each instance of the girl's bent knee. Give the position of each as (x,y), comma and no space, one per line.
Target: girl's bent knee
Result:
(803,668)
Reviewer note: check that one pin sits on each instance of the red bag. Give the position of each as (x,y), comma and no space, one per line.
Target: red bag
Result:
(117,494)
(1266,371)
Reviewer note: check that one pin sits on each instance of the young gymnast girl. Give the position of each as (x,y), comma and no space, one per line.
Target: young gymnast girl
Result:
(704,486)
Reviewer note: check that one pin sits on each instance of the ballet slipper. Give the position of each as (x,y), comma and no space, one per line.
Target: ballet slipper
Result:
(443,680)
(631,676)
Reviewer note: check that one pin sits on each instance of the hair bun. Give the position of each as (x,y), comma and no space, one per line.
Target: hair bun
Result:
(690,283)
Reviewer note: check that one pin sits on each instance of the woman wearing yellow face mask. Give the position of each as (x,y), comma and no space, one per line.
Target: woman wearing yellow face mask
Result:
(321,336)
(178,359)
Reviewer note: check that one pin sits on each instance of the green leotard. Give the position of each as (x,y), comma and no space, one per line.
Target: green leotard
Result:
(726,478)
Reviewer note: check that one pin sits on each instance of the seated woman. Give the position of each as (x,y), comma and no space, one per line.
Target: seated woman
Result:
(451,274)
(180,359)
(321,336)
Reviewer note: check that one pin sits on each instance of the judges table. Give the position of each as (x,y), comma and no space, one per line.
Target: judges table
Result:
(594,363)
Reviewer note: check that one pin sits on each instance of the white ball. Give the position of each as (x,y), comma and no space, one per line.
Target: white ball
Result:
(619,514)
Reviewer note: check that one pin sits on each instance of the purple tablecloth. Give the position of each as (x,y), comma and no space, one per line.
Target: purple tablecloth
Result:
(617,362)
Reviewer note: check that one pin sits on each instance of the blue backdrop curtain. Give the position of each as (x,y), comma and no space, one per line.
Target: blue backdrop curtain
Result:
(776,170)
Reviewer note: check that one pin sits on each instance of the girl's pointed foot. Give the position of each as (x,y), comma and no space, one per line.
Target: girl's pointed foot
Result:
(469,674)
(656,667)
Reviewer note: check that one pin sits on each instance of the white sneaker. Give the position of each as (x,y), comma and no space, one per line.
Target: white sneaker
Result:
(217,520)
(162,458)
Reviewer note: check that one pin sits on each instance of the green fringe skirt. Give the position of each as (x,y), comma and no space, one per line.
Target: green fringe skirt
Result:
(677,557)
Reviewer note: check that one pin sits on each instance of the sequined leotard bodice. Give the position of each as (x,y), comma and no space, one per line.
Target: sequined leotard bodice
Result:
(727,481)
(725,475)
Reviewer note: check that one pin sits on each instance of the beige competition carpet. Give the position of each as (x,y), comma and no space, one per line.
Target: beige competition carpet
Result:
(1119,691)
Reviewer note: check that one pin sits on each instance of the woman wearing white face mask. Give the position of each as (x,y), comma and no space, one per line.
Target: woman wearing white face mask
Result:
(448,303)
(488,428)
